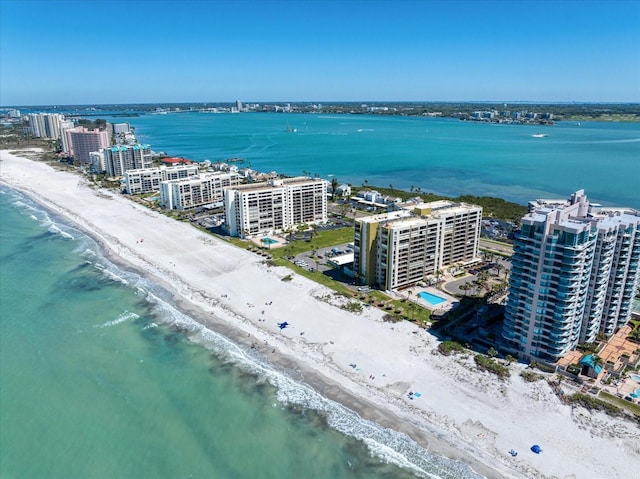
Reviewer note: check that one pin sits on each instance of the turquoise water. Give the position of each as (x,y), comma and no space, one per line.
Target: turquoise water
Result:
(102,378)
(439,155)
(431,298)
(268,241)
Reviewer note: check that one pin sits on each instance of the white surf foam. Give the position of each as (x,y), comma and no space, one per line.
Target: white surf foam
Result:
(126,316)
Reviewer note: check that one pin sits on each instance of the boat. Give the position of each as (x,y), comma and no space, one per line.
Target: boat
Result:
(539,135)
(291,130)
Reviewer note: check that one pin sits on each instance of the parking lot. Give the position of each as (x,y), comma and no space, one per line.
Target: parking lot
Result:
(320,261)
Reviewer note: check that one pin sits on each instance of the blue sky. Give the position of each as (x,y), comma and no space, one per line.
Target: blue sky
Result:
(137,51)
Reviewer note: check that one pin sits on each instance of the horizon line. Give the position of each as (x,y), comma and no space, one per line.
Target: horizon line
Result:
(513,102)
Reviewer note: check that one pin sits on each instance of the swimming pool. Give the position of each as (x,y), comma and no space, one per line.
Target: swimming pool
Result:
(431,298)
(635,394)
(268,241)
(635,377)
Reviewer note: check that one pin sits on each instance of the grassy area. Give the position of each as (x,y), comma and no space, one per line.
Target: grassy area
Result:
(315,276)
(619,402)
(321,239)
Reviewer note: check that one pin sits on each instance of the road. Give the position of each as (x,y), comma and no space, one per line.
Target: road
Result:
(493,246)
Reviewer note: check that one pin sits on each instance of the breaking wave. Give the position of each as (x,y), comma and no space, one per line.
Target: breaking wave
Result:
(388,445)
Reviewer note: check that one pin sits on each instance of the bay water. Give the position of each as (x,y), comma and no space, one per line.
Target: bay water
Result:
(439,155)
(100,377)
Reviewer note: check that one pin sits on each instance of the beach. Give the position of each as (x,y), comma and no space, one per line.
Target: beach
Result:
(358,360)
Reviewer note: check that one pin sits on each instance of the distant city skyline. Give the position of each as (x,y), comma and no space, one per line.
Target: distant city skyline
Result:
(117,52)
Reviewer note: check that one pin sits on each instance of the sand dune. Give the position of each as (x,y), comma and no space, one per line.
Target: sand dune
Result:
(462,413)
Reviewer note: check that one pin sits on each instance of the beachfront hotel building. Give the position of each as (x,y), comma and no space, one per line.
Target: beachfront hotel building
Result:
(147,180)
(574,274)
(275,205)
(398,249)
(197,191)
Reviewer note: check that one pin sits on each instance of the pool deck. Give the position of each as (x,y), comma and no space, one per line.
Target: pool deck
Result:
(279,242)
(612,355)
(450,301)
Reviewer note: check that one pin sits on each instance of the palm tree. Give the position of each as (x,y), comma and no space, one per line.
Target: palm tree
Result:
(497,267)
(334,187)
(597,362)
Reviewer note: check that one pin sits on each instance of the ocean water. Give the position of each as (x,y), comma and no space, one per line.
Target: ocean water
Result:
(439,155)
(100,377)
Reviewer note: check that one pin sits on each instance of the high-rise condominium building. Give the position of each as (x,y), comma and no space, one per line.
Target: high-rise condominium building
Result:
(196,191)
(274,206)
(574,274)
(398,249)
(82,142)
(116,160)
(45,125)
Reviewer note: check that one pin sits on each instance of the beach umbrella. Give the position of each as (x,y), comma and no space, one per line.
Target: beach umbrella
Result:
(535,448)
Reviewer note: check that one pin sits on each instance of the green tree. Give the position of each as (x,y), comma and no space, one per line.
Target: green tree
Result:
(597,362)
(334,187)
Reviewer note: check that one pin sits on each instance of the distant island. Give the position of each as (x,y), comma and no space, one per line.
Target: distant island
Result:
(498,112)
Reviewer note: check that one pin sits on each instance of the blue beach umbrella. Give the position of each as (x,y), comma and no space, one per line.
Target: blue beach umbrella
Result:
(535,448)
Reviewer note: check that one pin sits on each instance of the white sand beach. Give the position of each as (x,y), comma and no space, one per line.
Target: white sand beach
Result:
(461,413)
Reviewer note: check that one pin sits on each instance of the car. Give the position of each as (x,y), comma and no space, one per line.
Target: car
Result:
(363,288)
(320,256)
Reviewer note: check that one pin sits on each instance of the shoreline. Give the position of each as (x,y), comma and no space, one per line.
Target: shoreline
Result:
(468,429)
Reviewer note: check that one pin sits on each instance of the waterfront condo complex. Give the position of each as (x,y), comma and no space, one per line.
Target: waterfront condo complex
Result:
(275,205)
(116,160)
(147,180)
(574,274)
(398,249)
(197,191)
